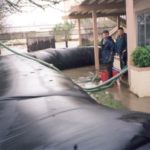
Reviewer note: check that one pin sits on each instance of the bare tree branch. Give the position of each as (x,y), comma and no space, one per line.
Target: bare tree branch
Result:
(36,4)
(12,6)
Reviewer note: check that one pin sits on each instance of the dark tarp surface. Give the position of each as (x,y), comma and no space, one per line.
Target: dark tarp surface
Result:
(41,109)
(67,58)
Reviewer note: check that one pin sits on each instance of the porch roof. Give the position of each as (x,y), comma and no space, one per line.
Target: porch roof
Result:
(103,8)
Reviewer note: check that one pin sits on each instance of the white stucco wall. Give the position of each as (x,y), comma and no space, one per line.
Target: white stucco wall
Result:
(140,81)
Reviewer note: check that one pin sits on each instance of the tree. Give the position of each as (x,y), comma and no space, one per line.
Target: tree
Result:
(12,6)
(16,5)
(63,31)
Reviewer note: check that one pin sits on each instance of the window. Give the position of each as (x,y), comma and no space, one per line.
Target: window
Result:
(143,22)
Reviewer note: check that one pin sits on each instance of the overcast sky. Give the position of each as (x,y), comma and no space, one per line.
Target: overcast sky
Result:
(36,16)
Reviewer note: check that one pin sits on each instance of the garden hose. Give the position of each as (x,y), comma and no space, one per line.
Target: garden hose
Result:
(31,58)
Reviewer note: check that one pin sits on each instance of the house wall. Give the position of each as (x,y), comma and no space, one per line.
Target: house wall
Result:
(138,6)
(141,5)
(139,78)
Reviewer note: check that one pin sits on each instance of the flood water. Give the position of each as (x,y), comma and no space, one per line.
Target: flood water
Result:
(120,92)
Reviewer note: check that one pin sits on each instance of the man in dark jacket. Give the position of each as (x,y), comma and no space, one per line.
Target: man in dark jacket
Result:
(107,52)
(121,47)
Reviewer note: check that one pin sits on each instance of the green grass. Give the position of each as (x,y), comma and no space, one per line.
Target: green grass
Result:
(106,99)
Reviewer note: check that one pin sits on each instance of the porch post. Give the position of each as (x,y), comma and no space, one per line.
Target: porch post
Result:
(79,32)
(131,27)
(95,35)
(131,32)
(118,21)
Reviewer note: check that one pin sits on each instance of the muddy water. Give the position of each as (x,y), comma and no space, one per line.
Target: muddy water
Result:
(129,100)
(79,72)
(118,93)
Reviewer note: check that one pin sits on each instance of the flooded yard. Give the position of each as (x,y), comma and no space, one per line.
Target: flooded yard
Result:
(119,96)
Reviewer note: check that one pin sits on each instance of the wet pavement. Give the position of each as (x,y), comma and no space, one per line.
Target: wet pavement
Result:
(119,92)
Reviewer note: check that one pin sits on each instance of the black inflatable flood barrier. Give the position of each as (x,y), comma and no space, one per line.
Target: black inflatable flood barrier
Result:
(67,58)
(41,109)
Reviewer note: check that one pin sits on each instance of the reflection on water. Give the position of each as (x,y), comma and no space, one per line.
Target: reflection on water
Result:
(119,92)
(129,100)
(79,72)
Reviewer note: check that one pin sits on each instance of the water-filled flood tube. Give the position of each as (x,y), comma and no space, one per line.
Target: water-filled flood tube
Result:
(41,109)
(67,58)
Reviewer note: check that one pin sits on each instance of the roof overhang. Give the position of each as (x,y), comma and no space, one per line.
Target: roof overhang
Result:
(103,8)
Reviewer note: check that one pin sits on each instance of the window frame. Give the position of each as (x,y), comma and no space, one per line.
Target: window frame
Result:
(144,12)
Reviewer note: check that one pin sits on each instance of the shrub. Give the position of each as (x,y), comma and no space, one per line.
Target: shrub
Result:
(141,56)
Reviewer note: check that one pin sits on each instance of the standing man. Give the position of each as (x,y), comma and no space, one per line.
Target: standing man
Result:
(121,47)
(107,52)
